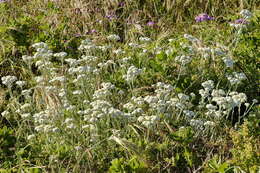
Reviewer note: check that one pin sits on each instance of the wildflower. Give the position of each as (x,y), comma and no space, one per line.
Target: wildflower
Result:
(189,114)
(20,83)
(208,84)
(5,113)
(144,39)
(8,80)
(25,106)
(239,23)
(209,124)
(150,23)
(183,97)
(203,17)
(183,59)
(190,38)
(113,37)
(132,73)
(60,55)
(228,61)
(30,137)
(246,14)
(25,115)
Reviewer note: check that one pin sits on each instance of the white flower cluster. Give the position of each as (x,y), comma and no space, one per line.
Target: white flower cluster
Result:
(236,78)
(228,62)
(113,37)
(144,39)
(224,102)
(208,86)
(132,73)
(246,14)
(8,80)
(88,46)
(104,92)
(21,83)
(148,121)
(191,38)
(183,59)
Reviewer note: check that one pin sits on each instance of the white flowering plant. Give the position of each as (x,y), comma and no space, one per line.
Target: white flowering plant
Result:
(127,103)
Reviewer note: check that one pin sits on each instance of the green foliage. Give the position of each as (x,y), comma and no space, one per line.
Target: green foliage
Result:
(7,145)
(122,165)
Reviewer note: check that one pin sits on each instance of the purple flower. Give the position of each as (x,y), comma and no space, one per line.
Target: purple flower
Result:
(1,1)
(241,21)
(121,4)
(77,35)
(91,31)
(203,17)
(110,16)
(150,23)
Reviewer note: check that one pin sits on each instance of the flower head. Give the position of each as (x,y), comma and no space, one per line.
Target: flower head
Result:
(203,17)
(150,23)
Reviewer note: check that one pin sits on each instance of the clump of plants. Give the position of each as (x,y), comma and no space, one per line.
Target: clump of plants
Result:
(180,103)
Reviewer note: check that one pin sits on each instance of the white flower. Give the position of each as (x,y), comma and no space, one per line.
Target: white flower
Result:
(40,45)
(118,51)
(133,45)
(68,120)
(25,115)
(151,99)
(8,80)
(228,61)
(77,92)
(5,113)
(196,123)
(71,126)
(21,83)
(211,107)
(239,98)
(60,55)
(108,85)
(115,112)
(58,78)
(246,14)
(25,106)
(30,137)
(218,93)
(189,114)
(183,59)
(113,37)
(129,106)
(204,93)
(208,84)
(183,97)
(144,39)
(55,130)
(255,101)
(132,73)
(39,79)
(209,124)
